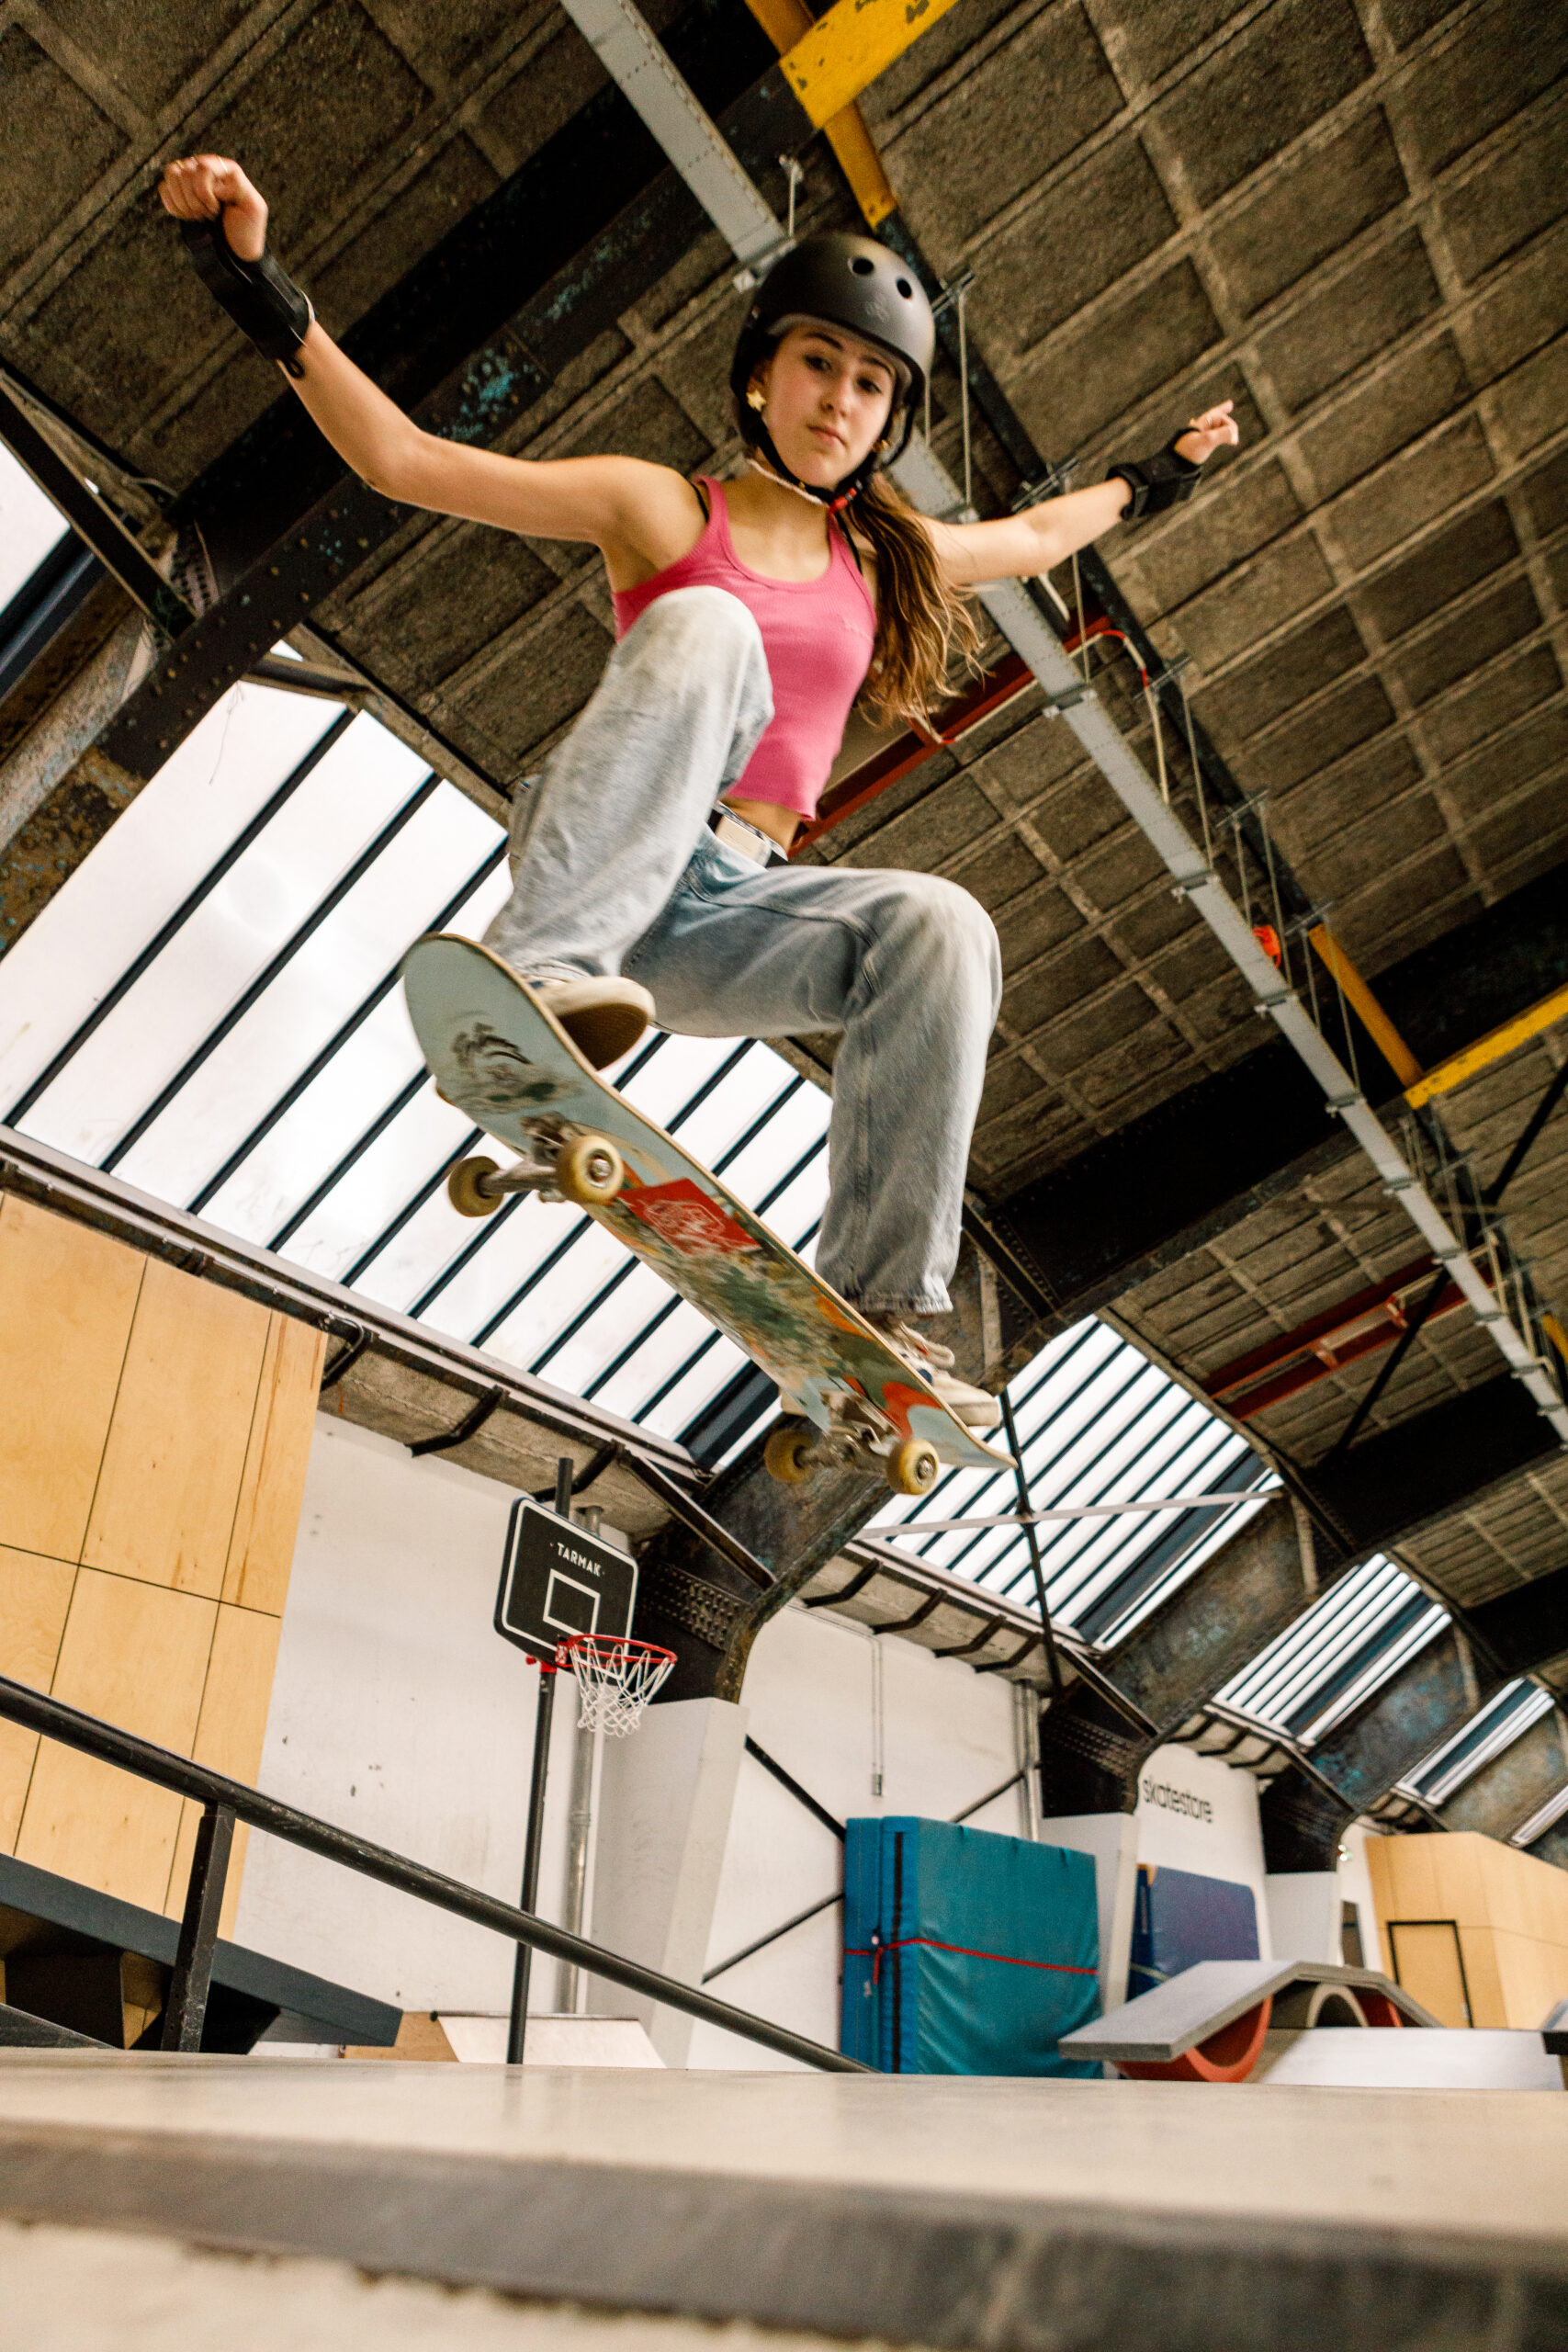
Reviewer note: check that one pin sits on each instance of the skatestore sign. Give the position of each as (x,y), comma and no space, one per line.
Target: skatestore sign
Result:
(1171,1799)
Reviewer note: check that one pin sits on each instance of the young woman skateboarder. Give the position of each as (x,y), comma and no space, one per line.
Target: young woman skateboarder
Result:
(649,856)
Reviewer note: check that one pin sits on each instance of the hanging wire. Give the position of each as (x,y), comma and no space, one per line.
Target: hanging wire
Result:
(1451,1189)
(963,394)
(1312,992)
(1164,781)
(1344,1009)
(1197,771)
(1242,880)
(1077,607)
(1499,1268)
(1274,890)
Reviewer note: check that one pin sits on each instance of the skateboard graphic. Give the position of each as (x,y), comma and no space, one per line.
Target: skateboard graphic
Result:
(499,1056)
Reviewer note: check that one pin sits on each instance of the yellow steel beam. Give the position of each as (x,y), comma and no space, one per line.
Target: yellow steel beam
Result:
(1374,1020)
(1445,1075)
(1556,1334)
(857,39)
(786,23)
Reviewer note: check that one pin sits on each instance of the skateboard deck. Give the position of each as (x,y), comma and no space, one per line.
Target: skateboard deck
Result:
(499,1056)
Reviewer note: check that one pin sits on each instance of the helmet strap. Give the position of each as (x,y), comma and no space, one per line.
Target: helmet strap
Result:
(835,499)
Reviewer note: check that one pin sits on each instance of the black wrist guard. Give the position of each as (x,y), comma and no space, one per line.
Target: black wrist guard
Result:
(262,303)
(1157,483)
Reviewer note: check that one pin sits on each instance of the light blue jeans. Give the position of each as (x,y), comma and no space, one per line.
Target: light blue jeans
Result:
(616,872)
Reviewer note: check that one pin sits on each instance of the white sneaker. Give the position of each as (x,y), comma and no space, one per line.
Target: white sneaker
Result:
(603,1018)
(975,1408)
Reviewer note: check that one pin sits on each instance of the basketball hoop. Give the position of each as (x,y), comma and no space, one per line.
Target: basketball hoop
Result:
(615,1679)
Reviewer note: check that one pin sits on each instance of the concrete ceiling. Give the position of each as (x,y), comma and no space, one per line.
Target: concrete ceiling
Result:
(1348,216)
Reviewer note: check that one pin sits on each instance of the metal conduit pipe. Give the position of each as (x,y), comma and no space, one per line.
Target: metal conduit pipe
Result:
(638,63)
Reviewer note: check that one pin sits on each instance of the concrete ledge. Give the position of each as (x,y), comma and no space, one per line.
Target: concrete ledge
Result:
(1171,2260)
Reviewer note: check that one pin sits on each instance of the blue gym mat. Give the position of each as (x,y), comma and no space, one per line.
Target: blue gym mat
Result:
(965,1954)
(1181,1917)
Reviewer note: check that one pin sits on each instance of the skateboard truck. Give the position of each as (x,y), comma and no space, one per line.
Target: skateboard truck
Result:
(570,1164)
(797,1449)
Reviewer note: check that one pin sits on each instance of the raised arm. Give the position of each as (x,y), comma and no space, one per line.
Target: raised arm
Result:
(1021,546)
(610,502)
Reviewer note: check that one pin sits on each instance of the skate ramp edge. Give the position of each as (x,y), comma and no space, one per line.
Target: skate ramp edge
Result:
(929,2210)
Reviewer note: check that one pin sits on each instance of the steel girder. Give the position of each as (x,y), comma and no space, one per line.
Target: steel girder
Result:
(1514,1785)
(1255,1585)
(1079,1238)
(1261,1581)
(1526,1627)
(1432,1697)
(1306,1815)
(1427,1466)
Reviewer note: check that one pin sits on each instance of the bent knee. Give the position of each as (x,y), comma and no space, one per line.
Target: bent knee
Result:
(949,916)
(702,619)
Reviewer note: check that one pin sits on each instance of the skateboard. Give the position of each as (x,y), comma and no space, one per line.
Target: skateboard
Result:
(499,1056)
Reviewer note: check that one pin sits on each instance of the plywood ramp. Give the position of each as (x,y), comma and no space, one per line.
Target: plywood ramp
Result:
(152,1464)
(1489,1922)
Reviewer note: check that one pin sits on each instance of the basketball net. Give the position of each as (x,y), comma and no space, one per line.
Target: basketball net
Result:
(615,1679)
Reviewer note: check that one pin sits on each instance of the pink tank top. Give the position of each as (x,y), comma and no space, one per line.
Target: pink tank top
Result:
(817,635)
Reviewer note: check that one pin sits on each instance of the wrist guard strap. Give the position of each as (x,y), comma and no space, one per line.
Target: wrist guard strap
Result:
(264,303)
(1156,484)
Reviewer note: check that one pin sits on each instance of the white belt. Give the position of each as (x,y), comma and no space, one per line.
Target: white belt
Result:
(750,840)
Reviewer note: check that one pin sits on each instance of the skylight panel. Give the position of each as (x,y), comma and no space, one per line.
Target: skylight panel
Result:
(30,524)
(160,848)
(1370,1621)
(1505,1718)
(1098,1424)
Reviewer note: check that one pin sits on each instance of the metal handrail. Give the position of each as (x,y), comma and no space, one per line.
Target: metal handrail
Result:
(228,1800)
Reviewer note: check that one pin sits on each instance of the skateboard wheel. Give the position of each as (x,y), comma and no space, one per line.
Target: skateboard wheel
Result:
(590,1171)
(466,1188)
(912,1467)
(787,1455)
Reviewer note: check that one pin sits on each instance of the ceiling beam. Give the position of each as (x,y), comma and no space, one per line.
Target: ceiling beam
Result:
(1091,1752)
(1358,1326)
(1423,1468)
(1259,1582)
(1079,1238)
(844,51)
(1527,1626)
(1507,1792)
(1433,1696)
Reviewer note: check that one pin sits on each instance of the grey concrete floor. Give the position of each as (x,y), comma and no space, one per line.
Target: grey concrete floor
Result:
(1024,2215)
(1332,2155)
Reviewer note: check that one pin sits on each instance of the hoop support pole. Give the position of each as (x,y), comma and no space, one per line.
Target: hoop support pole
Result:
(543,1715)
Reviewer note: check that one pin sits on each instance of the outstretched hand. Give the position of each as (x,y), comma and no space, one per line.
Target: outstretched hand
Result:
(201,187)
(1215,429)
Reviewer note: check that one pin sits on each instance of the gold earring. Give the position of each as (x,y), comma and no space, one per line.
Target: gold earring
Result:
(756,398)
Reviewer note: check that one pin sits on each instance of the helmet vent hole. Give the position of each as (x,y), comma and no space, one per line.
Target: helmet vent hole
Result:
(863,264)
(905,288)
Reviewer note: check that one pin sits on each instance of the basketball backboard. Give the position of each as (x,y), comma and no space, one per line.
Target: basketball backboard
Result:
(557,1581)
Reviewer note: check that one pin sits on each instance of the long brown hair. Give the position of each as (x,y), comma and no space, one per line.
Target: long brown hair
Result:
(924,625)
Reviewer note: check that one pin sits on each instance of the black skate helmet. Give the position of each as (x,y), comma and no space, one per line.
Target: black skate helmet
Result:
(856,284)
